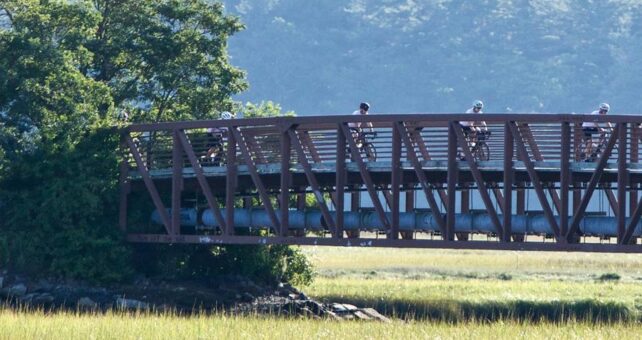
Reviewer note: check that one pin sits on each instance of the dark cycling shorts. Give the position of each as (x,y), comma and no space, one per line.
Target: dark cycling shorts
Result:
(467,130)
(589,131)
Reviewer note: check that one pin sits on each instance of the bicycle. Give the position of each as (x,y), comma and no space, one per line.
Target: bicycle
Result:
(215,155)
(364,144)
(596,149)
(478,146)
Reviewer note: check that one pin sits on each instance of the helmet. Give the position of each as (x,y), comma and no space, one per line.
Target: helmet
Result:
(478,104)
(226,115)
(364,106)
(605,107)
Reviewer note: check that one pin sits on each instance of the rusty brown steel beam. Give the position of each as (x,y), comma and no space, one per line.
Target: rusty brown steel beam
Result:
(423,180)
(451,178)
(365,175)
(286,180)
(212,203)
(508,184)
(633,222)
(231,182)
(312,180)
(395,181)
(622,181)
(177,183)
(149,184)
(481,185)
(530,168)
(634,158)
(565,177)
(254,174)
(340,173)
(369,243)
(579,213)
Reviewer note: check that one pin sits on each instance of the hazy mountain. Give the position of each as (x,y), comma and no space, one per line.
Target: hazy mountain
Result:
(436,55)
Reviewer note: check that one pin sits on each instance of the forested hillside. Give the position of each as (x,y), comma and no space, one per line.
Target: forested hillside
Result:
(439,55)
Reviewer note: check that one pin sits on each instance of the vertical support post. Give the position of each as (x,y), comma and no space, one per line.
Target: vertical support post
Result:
(230,183)
(452,181)
(508,183)
(465,199)
(520,209)
(340,184)
(634,158)
(577,140)
(177,183)
(395,181)
(410,207)
(285,181)
(622,179)
(565,177)
(124,184)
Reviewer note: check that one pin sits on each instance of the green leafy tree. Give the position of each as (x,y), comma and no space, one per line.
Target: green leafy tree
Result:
(165,60)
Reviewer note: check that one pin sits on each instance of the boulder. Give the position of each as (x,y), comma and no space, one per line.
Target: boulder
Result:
(86,303)
(17,290)
(43,299)
(371,312)
(123,303)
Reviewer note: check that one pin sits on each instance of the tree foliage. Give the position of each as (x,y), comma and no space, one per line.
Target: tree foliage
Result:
(438,56)
(67,69)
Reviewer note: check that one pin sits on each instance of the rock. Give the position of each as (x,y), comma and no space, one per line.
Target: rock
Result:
(361,315)
(85,302)
(17,290)
(338,308)
(27,298)
(350,308)
(302,296)
(123,303)
(42,299)
(371,312)
(44,285)
(316,307)
(293,296)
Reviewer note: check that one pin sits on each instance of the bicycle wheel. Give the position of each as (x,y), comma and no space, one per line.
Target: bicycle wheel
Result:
(371,152)
(482,151)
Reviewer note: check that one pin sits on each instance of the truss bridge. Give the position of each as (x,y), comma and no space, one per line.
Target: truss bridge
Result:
(534,182)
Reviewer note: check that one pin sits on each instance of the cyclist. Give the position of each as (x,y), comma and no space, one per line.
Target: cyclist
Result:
(215,136)
(472,128)
(355,127)
(591,128)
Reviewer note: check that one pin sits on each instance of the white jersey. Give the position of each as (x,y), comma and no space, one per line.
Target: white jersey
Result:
(355,125)
(469,123)
(591,124)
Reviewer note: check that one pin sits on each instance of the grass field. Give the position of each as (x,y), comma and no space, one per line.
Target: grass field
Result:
(450,285)
(433,294)
(70,326)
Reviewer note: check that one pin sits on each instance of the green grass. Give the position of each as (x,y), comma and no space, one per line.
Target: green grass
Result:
(16,325)
(444,294)
(458,286)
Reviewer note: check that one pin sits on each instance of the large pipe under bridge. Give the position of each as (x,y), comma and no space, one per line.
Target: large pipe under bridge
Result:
(536,183)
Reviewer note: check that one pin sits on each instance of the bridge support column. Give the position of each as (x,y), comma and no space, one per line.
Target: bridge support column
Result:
(508,184)
(452,181)
(177,183)
(565,154)
(622,182)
